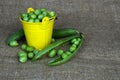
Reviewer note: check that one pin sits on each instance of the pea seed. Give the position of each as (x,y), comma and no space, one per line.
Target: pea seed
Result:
(72,48)
(35,52)
(25,18)
(64,55)
(53,40)
(44,13)
(23,59)
(79,39)
(68,53)
(33,16)
(52,13)
(73,40)
(42,9)
(76,42)
(30,48)
(24,46)
(30,13)
(31,20)
(30,55)
(37,12)
(22,54)
(74,45)
(13,43)
(60,52)
(24,15)
(52,53)
(37,20)
(40,16)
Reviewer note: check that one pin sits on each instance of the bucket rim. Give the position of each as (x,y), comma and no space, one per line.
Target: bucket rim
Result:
(52,18)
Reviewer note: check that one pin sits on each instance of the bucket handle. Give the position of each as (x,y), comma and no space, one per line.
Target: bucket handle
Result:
(45,20)
(30,10)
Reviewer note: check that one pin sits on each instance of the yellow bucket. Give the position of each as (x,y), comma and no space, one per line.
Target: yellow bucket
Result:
(38,34)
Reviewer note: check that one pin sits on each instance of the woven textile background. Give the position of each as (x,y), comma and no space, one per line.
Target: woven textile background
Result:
(99,56)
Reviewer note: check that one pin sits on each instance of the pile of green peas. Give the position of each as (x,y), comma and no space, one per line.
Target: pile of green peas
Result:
(28,52)
(64,54)
(25,53)
(37,15)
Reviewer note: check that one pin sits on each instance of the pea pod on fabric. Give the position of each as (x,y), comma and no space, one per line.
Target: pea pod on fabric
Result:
(51,46)
(64,32)
(59,60)
(15,36)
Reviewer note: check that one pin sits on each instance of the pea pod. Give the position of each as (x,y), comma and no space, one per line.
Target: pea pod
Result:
(15,36)
(53,45)
(64,32)
(59,60)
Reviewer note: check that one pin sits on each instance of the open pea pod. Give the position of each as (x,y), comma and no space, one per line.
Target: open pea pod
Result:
(52,46)
(59,60)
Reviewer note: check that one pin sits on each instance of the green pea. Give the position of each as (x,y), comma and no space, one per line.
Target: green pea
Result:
(37,20)
(37,12)
(73,40)
(43,9)
(44,13)
(53,40)
(13,43)
(60,52)
(72,48)
(30,55)
(40,16)
(33,16)
(23,46)
(74,45)
(68,53)
(52,14)
(79,39)
(31,20)
(22,53)
(24,15)
(64,55)
(76,42)
(30,48)
(52,53)
(25,18)
(23,59)
(35,51)
(30,13)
